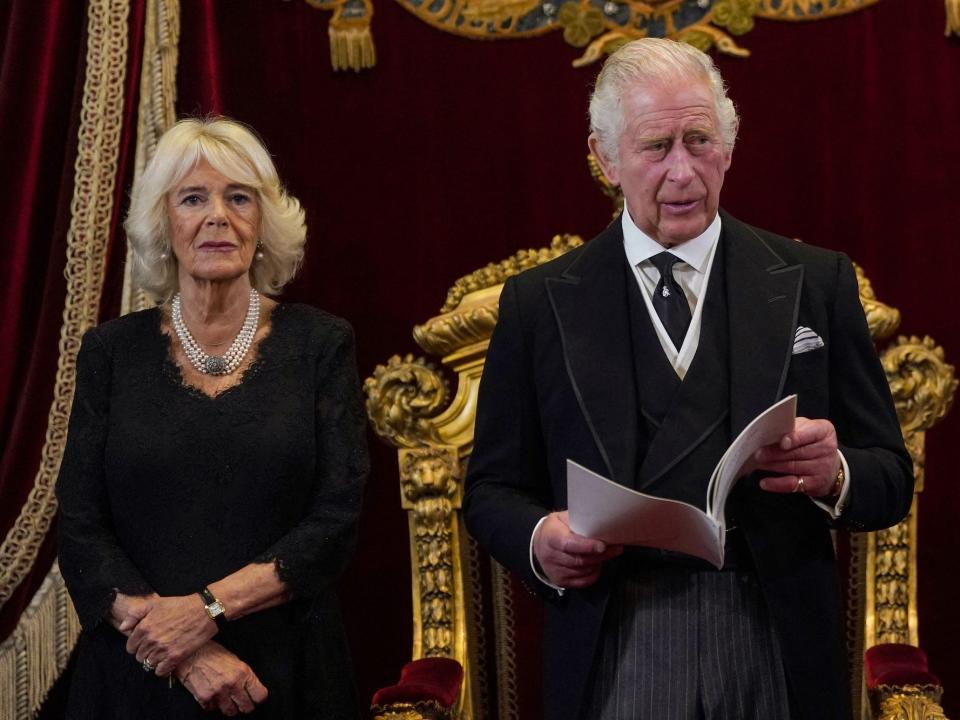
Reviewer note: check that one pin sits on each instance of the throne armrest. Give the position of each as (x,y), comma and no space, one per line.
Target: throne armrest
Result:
(427,689)
(899,681)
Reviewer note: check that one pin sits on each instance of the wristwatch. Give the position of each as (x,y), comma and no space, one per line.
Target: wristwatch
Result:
(215,609)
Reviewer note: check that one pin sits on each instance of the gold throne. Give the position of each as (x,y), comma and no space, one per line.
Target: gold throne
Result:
(467,607)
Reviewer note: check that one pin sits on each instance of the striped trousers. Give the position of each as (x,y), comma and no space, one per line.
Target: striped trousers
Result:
(687,644)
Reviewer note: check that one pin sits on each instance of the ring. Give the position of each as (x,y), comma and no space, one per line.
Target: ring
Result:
(148,666)
(799,487)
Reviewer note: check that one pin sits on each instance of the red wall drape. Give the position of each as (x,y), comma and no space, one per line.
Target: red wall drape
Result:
(452,153)
(41,87)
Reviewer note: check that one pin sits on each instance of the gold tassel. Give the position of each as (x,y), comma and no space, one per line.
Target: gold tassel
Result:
(953,18)
(351,46)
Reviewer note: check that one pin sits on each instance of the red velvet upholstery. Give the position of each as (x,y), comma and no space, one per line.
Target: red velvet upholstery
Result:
(897,664)
(434,678)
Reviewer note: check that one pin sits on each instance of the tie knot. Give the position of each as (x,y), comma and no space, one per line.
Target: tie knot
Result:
(664,262)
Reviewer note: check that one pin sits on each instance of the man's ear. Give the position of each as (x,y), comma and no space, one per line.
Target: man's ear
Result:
(609,167)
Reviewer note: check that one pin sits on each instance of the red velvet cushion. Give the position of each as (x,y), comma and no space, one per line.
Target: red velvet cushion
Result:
(897,664)
(434,678)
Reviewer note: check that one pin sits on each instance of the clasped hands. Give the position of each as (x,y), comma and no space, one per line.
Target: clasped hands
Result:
(808,452)
(174,635)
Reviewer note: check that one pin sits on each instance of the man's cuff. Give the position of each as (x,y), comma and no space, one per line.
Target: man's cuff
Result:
(535,566)
(835,510)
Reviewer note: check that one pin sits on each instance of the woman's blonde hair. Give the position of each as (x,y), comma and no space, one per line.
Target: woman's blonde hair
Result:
(233,150)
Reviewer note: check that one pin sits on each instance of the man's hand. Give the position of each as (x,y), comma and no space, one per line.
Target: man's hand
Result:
(172,630)
(219,680)
(567,559)
(808,452)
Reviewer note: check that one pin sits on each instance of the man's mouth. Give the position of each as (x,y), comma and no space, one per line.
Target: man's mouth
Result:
(680,206)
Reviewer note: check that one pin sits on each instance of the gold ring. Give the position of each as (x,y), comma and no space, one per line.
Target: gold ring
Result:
(799,487)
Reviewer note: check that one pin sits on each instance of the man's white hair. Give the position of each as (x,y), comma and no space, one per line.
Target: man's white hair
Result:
(653,61)
(234,150)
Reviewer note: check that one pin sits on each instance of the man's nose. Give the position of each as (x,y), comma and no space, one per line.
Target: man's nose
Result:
(680,167)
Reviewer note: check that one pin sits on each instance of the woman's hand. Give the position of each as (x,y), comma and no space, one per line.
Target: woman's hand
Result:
(219,680)
(128,610)
(172,630)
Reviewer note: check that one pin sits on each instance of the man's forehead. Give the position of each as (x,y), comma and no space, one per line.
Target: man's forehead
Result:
(689,101)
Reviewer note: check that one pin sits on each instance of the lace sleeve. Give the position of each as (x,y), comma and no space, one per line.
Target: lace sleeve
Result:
(93,564)
(313,554)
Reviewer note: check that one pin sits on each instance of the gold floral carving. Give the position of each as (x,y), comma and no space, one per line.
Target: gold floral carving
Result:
(402,397)
(497,273)
(882,319)
(953,18)
(909,702)
(611,191)
(449,332)
(601,28)
(423,710)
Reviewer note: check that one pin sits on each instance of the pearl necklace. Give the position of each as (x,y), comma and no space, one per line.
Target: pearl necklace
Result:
(231,359)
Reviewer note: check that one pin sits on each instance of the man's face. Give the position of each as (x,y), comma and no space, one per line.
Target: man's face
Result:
(672,159)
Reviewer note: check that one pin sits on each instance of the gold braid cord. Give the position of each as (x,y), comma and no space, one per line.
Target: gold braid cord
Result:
(37,651)
(95,170)
(158,95)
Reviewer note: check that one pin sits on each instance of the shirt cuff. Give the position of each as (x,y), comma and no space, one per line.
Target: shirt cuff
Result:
(535,566)
(836,510)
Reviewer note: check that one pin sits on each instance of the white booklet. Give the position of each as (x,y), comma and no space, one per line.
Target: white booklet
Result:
(600,508)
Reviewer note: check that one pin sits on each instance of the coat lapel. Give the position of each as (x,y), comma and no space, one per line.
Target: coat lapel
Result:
(763,297)
(589,303)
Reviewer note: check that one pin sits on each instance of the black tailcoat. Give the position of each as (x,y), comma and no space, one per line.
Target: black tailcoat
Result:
(560,382)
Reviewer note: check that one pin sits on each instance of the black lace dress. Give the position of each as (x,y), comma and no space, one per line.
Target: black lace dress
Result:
(166,489)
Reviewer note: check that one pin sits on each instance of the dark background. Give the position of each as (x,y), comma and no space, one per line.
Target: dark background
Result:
(452,153)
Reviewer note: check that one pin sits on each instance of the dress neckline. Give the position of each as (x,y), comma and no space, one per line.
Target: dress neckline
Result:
(173,371)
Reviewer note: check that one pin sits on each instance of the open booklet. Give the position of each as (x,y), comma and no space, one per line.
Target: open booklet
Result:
(600,508)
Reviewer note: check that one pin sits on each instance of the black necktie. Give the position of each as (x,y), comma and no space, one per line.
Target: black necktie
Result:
(669,300)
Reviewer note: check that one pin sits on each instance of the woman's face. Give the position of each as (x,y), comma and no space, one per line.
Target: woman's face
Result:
(213,225)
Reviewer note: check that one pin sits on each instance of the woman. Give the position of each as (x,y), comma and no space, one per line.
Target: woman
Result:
(212,479)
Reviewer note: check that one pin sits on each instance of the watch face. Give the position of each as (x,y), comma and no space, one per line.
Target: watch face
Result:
(215,608)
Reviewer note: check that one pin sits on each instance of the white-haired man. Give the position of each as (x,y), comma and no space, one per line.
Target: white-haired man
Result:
(640,356)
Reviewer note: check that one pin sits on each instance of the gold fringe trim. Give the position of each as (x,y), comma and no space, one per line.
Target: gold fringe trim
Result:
(157,111)
(953,18)
(33,657)
(101,116)
(351,46)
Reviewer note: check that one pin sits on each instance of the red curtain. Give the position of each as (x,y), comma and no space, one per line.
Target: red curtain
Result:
(452,153)
(41,86)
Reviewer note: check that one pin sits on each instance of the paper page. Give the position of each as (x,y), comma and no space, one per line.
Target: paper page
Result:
(600,508)
(766,428)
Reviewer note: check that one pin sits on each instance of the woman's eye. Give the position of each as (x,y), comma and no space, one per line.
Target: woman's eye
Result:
(240,198)
(191,200)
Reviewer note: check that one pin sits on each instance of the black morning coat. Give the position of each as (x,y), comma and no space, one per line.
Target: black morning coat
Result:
(559,382)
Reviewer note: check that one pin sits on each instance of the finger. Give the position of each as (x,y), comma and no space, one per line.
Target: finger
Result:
(805,432)
(783,484)
(256,689)
(165,667)
(578,545)
(227,706)
(797,468)
(578,583)
(243,702)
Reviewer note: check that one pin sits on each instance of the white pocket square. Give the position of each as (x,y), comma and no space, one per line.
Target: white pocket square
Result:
(806,340)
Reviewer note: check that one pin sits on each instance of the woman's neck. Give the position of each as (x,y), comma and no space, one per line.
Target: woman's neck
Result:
(214,310)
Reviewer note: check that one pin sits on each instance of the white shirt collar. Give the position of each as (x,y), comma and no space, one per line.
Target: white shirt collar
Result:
(695,252)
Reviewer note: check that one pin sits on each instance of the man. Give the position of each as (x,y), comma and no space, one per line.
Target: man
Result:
(640,356)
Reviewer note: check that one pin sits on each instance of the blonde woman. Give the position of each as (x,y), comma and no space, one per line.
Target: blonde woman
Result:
(216,456)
